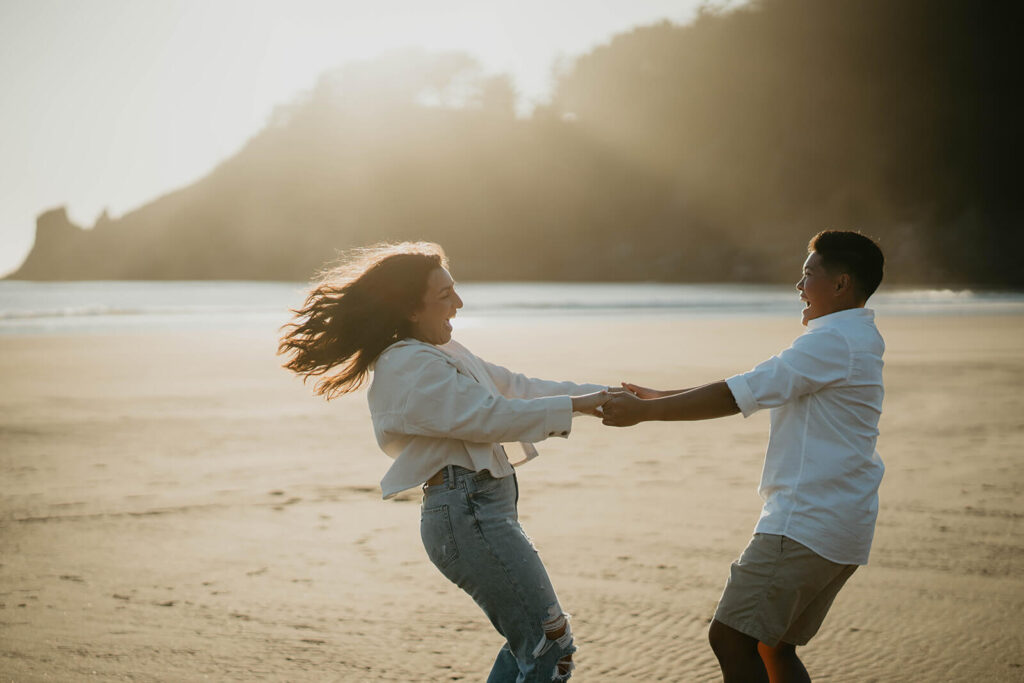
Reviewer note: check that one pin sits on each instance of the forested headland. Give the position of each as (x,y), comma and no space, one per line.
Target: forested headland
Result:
(706,152)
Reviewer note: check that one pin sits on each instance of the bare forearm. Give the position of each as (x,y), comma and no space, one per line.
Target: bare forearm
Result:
(676,392)
(702,403)
(647,393)
(665,393)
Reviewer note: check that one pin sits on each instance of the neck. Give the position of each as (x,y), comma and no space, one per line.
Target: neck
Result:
(847,305)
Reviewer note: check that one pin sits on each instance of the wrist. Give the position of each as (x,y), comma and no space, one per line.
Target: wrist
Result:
(579,402)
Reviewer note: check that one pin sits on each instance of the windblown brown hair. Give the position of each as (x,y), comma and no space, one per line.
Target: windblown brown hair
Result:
(355,310)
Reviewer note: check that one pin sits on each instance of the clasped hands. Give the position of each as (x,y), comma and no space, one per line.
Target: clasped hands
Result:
(617,406)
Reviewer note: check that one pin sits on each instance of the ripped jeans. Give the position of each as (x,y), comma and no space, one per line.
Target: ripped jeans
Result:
(471,531)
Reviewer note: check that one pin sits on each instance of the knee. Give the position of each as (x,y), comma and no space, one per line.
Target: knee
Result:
(718,636)
(728,643)
(557,632)
(557,641)
(780,653)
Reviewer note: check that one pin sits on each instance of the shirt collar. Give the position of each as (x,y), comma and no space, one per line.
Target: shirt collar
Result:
(838,317)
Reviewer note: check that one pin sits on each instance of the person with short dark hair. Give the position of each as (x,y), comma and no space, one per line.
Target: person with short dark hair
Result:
(821,470)
(852,253)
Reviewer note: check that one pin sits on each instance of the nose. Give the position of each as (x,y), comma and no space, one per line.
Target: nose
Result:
(458,300)
(800,284)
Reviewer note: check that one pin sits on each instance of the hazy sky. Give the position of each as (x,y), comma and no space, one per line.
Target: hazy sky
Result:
(112,103)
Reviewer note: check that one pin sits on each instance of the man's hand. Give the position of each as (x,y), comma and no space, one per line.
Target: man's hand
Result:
(625,410)
(644,392)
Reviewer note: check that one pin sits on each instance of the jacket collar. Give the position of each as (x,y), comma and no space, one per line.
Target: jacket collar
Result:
(453,358)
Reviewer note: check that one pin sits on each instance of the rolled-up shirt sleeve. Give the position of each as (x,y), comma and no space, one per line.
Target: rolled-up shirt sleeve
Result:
(441,402)
(815,360)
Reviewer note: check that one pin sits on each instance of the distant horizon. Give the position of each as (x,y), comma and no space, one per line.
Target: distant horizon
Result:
(145,100)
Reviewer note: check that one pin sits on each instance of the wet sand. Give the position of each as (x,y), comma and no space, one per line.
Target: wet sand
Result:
(178,508)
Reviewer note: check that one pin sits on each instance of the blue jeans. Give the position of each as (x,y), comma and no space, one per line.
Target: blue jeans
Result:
(470,529)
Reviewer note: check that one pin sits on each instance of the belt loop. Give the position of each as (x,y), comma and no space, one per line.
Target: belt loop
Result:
(451,476)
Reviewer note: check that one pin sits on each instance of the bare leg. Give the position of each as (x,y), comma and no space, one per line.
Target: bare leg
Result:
(554,629)
(737,655)
(782,664)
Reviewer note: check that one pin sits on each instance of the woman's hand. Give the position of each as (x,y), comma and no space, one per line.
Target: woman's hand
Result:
(590,403)
(644,392)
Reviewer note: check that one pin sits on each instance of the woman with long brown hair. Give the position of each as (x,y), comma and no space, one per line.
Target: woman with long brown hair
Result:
(443,413)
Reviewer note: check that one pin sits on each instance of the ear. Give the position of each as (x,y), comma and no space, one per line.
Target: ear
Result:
(843,283)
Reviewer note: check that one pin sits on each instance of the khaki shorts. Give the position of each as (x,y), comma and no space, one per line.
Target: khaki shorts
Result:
(780,590)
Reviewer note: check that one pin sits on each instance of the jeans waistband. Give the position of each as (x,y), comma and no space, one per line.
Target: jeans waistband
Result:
(451,475)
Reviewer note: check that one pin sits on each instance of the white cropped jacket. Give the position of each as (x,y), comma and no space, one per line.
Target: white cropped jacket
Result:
(434,406)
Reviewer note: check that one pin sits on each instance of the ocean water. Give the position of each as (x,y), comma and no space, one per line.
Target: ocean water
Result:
(103,307)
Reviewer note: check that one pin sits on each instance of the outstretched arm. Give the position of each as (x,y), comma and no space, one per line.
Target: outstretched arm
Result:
(816,359)
(702,403)
(438,401)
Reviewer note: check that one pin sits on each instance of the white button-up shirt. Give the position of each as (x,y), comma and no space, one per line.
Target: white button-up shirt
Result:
(821,470)
(434,406)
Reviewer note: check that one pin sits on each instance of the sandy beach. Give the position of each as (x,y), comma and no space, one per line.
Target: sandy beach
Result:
(175,507)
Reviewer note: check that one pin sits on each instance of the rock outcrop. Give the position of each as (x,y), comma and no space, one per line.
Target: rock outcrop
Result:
(708,152)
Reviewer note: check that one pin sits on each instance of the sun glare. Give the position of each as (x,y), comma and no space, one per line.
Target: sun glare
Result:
(133,100)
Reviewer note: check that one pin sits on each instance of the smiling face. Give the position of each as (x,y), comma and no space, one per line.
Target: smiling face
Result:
(431,323)
(822,292)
